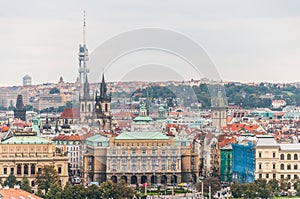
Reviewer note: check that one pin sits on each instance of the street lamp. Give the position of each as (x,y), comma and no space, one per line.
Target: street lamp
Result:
(202,194)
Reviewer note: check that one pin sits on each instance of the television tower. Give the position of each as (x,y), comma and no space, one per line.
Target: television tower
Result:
(83,55)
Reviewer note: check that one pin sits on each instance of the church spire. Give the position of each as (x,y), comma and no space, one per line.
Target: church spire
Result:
(103,88)
(86,89)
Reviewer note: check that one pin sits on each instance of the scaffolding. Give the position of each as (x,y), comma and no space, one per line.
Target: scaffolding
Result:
(243,164)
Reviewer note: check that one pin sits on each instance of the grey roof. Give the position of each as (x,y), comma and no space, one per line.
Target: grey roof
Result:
(142,136)
(266,140)
(295,147)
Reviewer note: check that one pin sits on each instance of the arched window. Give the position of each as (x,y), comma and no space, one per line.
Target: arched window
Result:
(106,107)
(288,167)
(32,169)
(295,156)
(25,169)
(19,169)
(282,157)
(274,166)
(288,156)
(282,166)
(295,166)
(32,183)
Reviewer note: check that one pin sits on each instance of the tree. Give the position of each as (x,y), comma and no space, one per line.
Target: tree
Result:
(214,182)
(55,192)
(115,190)
(25,185)
(273,186)
(10,181)
(74,192)
(262,189)
(46,177)
(93,192)
(124,190)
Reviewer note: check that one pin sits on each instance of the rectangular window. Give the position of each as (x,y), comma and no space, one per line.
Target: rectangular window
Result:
(259,154)
(4,170)
(282,176)
(163,151)
(144,167)
(274,175)
(163,167)
(153,152)
(123,151)
(144,151)
(133,160)
(59,170)
(274,154)
(260,175)
(267,175)
(12,170)
(114,152)
(133,168)
(133,152)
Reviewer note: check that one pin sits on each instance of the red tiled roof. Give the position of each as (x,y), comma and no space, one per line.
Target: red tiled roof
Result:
(69,113)
(17,193)
(226,141)
(63,137)
(4,128)
(237,127)
(124,114)
(124,123)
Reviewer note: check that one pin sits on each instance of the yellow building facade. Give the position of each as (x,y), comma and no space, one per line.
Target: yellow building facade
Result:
(277,161)
(25,154)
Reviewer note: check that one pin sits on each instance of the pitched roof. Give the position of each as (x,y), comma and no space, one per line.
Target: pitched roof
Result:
(17,193)
(63,137)
(97,138)
(70,113)
(142,136)
(25,140)
(266,140)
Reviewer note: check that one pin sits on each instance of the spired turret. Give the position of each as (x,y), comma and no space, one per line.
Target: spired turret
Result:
(102,107)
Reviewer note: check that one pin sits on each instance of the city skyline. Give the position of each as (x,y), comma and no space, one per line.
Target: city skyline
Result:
(247,42)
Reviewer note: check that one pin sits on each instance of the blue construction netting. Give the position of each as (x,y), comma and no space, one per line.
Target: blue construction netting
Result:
(243,162)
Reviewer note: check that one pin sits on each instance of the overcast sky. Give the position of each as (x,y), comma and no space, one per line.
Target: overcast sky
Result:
(246,40)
